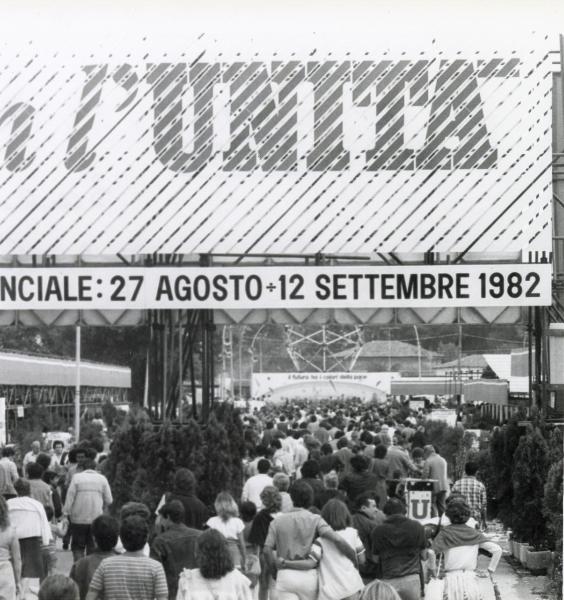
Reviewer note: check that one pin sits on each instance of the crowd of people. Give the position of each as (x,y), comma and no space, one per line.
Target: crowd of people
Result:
(321,516)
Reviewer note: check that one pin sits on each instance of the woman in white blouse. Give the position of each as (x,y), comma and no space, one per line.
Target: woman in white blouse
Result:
(216,578)
(460,544)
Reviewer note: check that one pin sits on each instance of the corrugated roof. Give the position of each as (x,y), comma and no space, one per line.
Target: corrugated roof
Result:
(23,369)
(385,348)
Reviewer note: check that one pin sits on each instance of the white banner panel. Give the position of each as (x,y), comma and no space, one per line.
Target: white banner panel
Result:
(253,140)
(266,384)
(275,287)
(446,414)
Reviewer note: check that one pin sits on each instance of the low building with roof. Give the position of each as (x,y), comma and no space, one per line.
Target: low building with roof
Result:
(395,356)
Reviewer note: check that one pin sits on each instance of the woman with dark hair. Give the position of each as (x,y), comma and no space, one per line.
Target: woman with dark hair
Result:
(10,561)
(184,489)
(460,544)
(216,578)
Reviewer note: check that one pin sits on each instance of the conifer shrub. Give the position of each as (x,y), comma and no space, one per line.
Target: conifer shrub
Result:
(530,470)
(144,457)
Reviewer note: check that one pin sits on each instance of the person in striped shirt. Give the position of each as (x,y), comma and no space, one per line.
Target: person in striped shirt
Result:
(473,491)
(131,575)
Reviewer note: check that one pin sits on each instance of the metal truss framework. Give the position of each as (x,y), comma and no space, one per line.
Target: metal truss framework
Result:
(330,350)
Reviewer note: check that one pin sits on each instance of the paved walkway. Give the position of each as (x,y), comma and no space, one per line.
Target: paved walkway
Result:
(513,581)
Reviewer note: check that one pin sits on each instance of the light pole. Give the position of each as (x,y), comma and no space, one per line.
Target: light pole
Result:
(77,387)
(252,352)
(418,349)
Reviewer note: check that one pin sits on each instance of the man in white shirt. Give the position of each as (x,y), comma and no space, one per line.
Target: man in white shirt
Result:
(28,518)
(32,455)
(255,484)
(88,496)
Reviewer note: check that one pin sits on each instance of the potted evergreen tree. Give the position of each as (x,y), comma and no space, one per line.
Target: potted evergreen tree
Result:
(529,476)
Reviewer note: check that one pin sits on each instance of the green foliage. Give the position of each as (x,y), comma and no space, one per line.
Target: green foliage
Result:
(553,504)
(447,350)
(529,476)
(217,472)
(487,475)
(503,444)
(144,459)
(113,417)
(555,449)
(91,434)
(450,443)
(553,512)
(121,467)
(231,420)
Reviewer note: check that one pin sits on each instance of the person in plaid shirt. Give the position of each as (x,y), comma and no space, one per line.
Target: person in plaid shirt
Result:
(474,492)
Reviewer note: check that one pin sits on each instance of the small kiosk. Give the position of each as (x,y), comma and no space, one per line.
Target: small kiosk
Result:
(418,497)
(417,494)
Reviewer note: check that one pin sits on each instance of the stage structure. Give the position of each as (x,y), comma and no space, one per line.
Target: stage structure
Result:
(363,186)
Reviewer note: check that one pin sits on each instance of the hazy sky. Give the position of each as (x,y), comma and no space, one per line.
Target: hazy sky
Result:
(470,18)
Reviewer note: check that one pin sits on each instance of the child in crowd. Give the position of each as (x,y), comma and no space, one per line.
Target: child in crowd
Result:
(252,570)
(105,530)
(49,552)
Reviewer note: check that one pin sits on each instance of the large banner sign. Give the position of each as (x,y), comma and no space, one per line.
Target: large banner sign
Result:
(275,287)
(292,144)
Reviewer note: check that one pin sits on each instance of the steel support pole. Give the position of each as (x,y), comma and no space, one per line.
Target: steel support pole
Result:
(164,341)
(418,349)
(530,344)
(180,369)
(77,387)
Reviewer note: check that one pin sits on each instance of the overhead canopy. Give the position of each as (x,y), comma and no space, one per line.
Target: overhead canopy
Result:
(23,369)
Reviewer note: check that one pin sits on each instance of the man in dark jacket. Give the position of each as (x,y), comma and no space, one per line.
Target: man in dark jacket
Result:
(366,517)
(399,542)
(176,547)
